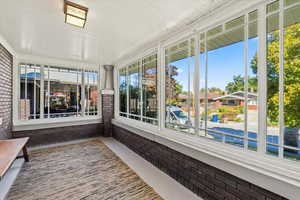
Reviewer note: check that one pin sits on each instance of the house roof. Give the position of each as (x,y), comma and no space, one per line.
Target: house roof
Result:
(237,95)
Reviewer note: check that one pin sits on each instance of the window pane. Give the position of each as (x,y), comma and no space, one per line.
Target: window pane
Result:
(292,82)
(134,91)
(290,2)
(179,86)
(123,90)
(252,107)
(272,82)
(235,23)
(149,82)
(272,7)
(24,104)
(273,149)
(91,93)
(30,92)
(62,98)
(214,31)
(225,85)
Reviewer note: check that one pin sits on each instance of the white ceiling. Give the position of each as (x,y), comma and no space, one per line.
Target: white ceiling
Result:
(114,26)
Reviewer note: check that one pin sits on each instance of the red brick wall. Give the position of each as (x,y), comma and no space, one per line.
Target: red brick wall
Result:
(6,62)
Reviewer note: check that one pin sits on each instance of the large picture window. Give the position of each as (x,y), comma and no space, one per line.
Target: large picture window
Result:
(53,92)
(237,82)
(138,90)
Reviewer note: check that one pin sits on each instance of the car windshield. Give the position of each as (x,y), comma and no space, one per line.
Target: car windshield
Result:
(180,114)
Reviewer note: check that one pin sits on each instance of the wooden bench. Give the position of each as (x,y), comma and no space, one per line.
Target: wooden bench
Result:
(9,151)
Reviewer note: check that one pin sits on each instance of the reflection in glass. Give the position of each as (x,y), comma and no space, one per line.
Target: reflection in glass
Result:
(134,91)
(30,78)
(123,91)
(149,83)
(91,93)
(62,94)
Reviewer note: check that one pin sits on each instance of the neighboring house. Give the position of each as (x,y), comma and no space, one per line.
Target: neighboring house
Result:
(238,98)
(210,97)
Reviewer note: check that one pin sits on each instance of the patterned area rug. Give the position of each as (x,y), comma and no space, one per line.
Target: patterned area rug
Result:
(85,171)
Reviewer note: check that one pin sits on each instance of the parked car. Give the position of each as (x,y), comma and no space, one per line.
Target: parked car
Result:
(177,117)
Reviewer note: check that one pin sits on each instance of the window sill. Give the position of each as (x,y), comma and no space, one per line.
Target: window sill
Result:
(274,174)
(21,125)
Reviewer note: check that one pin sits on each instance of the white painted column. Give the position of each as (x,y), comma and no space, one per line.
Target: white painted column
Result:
(109,79)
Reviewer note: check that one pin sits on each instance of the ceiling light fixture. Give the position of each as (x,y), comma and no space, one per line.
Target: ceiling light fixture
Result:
(75,14)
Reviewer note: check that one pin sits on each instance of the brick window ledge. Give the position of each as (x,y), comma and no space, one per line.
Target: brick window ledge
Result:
(20,125)
(274,174)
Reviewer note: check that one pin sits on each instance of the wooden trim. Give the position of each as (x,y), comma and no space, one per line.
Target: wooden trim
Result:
(66,3)
(74,5)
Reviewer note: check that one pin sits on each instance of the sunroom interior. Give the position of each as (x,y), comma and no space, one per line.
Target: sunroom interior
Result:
(138,100)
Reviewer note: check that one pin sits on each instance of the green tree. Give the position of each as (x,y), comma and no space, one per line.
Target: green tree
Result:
(236,85)
(291,75)
(215,90)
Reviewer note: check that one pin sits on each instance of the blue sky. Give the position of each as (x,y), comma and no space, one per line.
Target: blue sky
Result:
(223,64)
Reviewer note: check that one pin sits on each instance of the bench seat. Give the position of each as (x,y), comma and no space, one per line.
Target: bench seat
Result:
(9,151)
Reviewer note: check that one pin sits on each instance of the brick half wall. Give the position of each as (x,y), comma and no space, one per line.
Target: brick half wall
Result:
(206,181)
(6,63)
(60,134)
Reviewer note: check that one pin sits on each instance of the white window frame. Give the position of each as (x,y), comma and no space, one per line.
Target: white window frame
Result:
(285,172)
(19,125)
(126,64)
(194,33)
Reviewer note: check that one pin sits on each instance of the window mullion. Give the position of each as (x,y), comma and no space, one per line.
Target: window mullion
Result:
(25,94)
(48,92)
(206,84)
(117,94)
(189,79)
(140,69)
(99,110)
(262,79)
(162,83)
(34,94)
(83,92)
(127,91)
(159,82)
(77,93)
(42,90)
(281,77)
(197,84)
(246,82)
(88,92)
